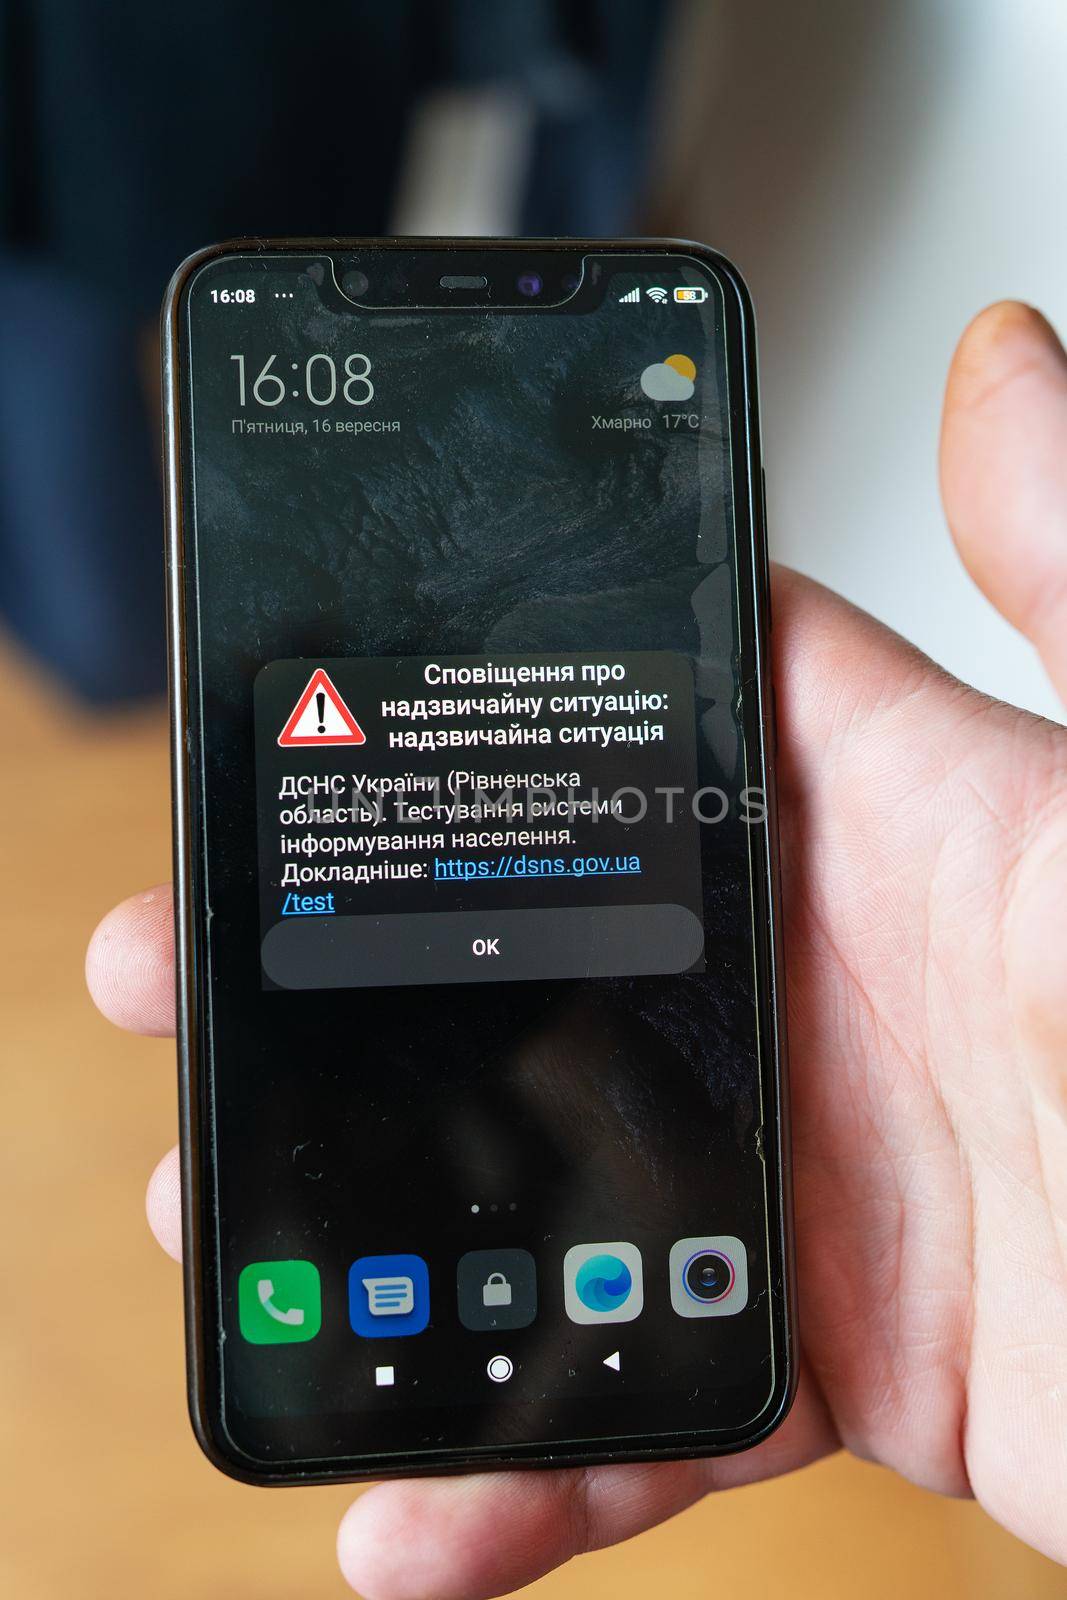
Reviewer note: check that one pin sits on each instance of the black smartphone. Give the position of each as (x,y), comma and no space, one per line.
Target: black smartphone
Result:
(480,1023)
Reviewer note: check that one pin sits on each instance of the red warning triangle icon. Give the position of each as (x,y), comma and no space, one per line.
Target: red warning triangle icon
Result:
(321,717)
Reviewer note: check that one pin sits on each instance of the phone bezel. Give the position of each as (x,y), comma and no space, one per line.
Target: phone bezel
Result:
(197,1151)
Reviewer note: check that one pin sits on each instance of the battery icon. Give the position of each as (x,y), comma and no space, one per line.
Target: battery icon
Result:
(690,296)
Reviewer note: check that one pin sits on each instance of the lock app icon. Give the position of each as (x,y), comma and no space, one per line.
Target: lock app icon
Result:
(496,1290)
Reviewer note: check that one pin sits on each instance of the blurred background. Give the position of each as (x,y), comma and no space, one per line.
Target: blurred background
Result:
(879,169)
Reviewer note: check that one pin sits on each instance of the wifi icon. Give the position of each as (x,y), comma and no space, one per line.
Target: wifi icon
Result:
(659,295)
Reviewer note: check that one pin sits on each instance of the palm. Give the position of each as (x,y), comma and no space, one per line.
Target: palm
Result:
(933,1290)
(926,897)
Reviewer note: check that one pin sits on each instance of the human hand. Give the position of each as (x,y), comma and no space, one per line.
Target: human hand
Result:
(925,853)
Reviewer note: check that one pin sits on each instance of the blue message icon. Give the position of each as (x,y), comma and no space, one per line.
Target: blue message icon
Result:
(388,1296)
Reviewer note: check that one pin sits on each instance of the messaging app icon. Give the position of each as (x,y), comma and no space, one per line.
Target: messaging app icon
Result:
(674,378)
(603,1282)
(388,1296)
(279,1302)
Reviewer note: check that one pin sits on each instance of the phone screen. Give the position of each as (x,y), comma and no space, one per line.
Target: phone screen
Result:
(486,1092)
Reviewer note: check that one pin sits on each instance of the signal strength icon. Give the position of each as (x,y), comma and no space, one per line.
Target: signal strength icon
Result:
(630,298)
(659,295)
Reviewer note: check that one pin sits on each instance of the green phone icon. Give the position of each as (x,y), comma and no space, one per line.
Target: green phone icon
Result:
(279,1302)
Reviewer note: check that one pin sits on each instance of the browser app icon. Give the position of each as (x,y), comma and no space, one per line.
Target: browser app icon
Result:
(603,1282)
(388,1296)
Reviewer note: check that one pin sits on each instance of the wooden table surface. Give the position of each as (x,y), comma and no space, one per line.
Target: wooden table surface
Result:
(105,1492)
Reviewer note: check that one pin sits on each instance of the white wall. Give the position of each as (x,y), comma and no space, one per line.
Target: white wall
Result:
(879,169)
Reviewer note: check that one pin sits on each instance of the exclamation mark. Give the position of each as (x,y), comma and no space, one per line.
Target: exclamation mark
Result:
(320,707)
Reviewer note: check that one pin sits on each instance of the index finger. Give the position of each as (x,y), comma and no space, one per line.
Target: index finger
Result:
(129,965)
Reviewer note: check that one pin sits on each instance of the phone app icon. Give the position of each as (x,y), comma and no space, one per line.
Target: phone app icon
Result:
(496,1289)
(279,1302)
(603,1282)
(388,1296)
(709,1276)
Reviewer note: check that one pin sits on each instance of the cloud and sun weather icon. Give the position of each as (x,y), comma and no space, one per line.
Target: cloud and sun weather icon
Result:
(671,379)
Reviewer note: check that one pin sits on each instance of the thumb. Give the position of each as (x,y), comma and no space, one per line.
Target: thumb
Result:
(1004,471)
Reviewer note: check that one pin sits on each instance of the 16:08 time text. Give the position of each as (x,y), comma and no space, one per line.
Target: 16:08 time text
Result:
(319,381)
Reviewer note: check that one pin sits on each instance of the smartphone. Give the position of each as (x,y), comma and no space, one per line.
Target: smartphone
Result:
(480,1021)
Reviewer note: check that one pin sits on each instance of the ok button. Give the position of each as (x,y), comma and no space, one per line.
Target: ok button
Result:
(486,947)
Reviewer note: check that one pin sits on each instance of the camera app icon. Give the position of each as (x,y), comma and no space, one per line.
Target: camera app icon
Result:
(709,1276)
